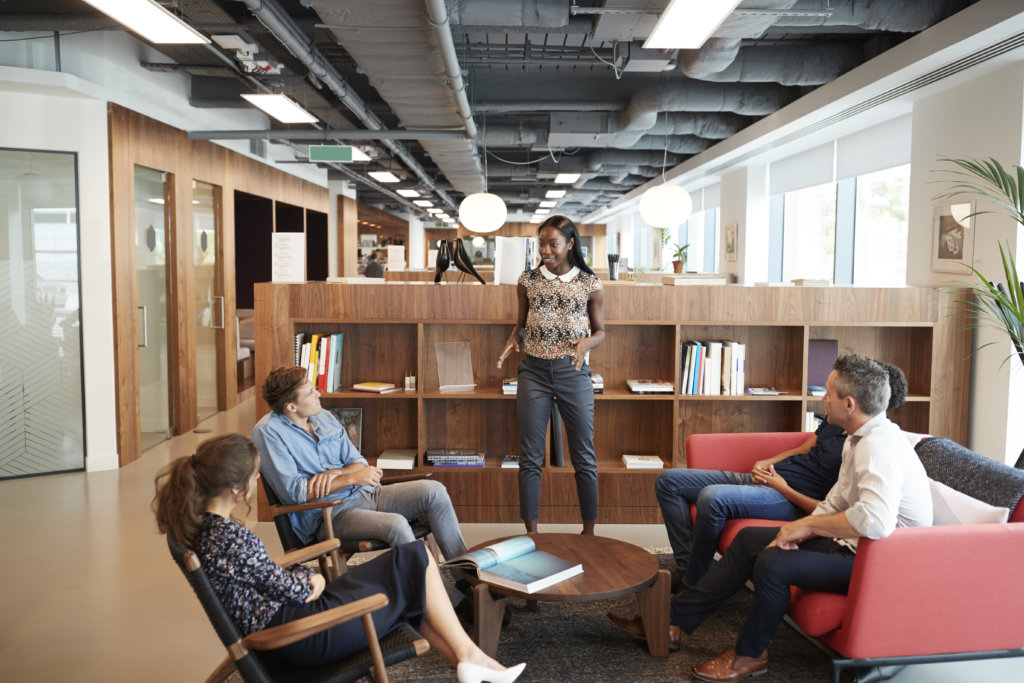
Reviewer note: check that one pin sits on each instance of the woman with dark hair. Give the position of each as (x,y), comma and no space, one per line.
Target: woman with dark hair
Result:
(195,496)
(561,317)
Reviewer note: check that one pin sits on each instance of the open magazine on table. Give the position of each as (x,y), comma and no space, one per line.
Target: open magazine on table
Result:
(517,564)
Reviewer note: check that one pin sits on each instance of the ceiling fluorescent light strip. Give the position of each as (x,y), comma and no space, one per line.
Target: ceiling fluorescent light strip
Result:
(687,24)
(281,107)
(149,20)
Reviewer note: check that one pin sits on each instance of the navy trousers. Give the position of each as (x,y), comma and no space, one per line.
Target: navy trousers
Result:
(819,564)
(540,381)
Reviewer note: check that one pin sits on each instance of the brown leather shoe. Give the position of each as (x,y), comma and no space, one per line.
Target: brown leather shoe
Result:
(729,666)
(635,627)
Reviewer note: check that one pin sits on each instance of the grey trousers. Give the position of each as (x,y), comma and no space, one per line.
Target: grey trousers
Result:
(384,515)
(540,381)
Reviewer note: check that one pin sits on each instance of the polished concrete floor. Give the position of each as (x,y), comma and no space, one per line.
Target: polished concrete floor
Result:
(90,593)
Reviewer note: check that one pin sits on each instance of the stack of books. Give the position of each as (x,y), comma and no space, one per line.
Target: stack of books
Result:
(598,382)
(712,368)
(455,458)
(649,386)
(643,462)
(510,461)
(510,385)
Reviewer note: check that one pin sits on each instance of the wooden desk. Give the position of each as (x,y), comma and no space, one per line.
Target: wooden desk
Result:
(611,569)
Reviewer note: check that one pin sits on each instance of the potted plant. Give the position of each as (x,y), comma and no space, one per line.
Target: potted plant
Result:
(679,258)
(994,305)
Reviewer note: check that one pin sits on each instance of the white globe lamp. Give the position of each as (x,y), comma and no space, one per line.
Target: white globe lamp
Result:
(665,206)
(482,212)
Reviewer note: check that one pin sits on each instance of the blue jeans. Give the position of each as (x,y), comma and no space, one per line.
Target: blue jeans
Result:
(719,497)
(819,564)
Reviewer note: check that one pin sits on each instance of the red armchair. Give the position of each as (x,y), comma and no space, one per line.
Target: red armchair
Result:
(922,594)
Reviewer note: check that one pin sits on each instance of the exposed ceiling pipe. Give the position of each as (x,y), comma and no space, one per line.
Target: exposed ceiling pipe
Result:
(511,13)
(675,144)
(284,30)
(321,135)
(905,16)
(795,65)
(605,157)
(438,15)
(647,103)
(715,55)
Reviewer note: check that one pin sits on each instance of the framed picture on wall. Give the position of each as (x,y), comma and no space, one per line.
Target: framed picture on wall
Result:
(730,242)
(352,420)
(953,238)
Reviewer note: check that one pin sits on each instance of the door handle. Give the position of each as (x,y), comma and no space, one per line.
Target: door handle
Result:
(214,324)
(145,328)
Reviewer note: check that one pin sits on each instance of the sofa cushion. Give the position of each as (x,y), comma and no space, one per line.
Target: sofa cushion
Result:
(815,612)
(979,477)
(949,506)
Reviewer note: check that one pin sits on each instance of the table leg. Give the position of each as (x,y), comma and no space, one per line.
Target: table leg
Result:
(487,614)
(653,601)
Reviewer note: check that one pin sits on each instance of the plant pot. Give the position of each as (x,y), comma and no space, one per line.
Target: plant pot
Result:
(677,266)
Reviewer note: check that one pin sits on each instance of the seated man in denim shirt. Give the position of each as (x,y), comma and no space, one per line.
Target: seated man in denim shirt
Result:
(307,456)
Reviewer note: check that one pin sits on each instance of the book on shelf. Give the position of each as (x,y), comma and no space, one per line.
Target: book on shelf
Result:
(300,339)
(764,391)
(725,381)
(649,386)
(321,363)
(478,462)
(517,564)
(642,462)
(454,457)
(739,362)
(510,461)
(811,282)
(713,369)
(810,424)
(815,390)
(597,381)
(374,387)
(510,385)
(397,459)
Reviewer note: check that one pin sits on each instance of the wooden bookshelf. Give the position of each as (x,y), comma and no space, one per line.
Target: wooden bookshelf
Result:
(391,330)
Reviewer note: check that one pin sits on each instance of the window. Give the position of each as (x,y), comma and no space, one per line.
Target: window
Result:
(880,228)
(809,233)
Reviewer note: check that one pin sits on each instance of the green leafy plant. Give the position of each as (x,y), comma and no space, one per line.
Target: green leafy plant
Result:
(680,252)
(994,305)
(664,235)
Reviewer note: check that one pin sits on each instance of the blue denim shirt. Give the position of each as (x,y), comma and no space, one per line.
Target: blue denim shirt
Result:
(290,456)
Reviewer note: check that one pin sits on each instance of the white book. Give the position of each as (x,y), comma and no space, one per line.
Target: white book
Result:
(304,359)
(687,357)
(397,459)
(741,368)
(643,462)
(713,376)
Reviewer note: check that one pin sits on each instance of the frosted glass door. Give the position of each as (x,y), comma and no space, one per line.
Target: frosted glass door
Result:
(151,196)
(209,297)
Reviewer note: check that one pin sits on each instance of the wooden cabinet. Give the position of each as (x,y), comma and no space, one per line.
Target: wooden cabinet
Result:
(391,330)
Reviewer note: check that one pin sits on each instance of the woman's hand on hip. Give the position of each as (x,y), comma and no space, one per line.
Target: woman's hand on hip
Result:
(582,346)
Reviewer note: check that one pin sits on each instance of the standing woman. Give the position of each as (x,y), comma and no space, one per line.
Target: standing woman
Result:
(195,497)
(561,317)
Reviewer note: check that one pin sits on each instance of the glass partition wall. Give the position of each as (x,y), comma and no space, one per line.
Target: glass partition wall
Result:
(209,296)
(41,383)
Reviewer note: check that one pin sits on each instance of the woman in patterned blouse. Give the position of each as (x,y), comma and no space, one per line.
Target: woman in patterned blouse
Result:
(194,500)
(561,317)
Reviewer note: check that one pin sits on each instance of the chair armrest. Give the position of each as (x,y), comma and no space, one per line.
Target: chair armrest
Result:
(310,552)
(299,507)
(398,478)
(294,631)
(928,590)
(737,452)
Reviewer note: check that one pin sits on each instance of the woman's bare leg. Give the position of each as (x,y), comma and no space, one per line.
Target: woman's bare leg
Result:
(442,628)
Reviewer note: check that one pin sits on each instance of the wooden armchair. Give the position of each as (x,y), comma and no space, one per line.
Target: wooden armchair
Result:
(248,655)
(290,539)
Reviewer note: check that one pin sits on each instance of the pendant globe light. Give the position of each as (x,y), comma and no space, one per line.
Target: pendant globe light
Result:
(483,211)
(666,205)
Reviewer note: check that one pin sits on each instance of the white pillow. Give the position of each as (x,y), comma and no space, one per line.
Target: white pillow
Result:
(949,506)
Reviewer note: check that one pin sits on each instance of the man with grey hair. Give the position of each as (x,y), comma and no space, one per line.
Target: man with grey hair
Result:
(881,486)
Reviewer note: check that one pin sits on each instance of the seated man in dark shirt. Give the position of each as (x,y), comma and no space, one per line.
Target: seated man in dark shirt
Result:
(373,268)
(785,487)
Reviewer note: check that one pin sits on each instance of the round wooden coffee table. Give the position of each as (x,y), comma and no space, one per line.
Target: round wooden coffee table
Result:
(611,569)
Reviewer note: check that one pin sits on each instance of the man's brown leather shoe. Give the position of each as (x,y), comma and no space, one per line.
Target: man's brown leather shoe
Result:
(729,666)
(635,627)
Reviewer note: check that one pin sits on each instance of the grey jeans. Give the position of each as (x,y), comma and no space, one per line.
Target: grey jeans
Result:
(384,514)
(540,381)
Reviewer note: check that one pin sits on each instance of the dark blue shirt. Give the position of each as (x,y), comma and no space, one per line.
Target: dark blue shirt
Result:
(815,472)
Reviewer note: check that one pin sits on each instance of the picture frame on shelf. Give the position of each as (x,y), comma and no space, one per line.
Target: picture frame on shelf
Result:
(953,237)
(352,420)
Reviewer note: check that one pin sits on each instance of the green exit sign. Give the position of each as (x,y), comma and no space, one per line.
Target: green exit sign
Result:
(330,153)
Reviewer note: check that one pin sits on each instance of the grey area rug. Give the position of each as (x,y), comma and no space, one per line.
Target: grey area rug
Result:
(576,642)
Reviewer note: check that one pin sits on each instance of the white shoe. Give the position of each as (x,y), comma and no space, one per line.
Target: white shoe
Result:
(474,673)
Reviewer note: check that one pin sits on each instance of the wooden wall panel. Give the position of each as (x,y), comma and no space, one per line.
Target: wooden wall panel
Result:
(138,140)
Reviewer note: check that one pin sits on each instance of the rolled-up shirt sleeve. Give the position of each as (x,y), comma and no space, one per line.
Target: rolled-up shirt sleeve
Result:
(279,466)
(879,486)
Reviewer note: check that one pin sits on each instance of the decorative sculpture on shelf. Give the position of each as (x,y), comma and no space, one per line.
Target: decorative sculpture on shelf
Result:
(443,261)
(462,262)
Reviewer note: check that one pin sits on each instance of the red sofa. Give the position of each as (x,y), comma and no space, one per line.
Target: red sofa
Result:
(922,594)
